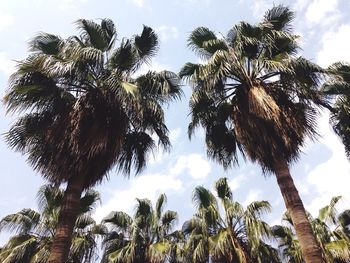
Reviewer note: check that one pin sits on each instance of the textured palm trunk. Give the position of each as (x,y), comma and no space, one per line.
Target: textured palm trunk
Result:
(68,215)
(241,252)
(309,247)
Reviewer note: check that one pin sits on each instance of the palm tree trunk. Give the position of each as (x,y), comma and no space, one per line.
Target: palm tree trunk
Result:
(309,247)
(66,221)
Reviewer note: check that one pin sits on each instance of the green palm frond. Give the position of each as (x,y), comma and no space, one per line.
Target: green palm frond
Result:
(204,42)
(22,222)
(123,58)
(235,236)
(329,212)
(46,43)
(168,220)
(340,250)
(222,188)
(146,237)
(161,202)
(98,36)
(134,152)
(146,44)
(279,18)
(337,87)
(34,230)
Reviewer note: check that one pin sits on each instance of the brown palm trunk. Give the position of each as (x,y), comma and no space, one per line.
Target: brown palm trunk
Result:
(66,221)
(309,247)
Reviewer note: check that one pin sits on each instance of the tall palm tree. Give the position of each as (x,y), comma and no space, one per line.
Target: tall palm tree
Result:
(237,236)
(331,232)
(85,111)
(34,231)
(253,94)
(338,87)
(144,238)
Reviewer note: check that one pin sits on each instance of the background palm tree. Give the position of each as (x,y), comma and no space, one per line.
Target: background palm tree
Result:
(238,236)
(84,111)
(338,88)
(34,231)
(144,238)
(253,94)
(331,230)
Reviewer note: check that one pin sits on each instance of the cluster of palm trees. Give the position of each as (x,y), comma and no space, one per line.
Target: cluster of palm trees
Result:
(221,230)
(84,109)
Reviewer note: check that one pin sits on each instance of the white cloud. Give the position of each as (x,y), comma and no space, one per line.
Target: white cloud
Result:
(330,178)
(259,7)
(253,195)
(151,185)
(300,5)
(7,66)
(194,2)
(335,46)
(174,135)
(322,11)
(236,181)
(146,186)
(167,32)
(6,20)
(194,164)
(139,3)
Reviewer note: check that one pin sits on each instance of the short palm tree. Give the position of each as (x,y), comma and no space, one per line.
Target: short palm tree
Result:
(237,236)
(253,94)
(34,231)
(338,87)
(145,238)
(84,110)
(330,228)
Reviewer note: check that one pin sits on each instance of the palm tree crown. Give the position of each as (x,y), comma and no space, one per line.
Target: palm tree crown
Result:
(236,236)
(144,238)
(337,86)
(34,230)
(83,109)
(252,92)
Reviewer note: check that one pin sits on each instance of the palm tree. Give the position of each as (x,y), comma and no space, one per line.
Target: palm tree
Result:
(331,231)
(144,238)
(34,231)
(253,94)
(235,237)
(85,111)
(338,86)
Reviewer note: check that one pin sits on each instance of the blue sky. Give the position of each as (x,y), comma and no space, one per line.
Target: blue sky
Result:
(322,170)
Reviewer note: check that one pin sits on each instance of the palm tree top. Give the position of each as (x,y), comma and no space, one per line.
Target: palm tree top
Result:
(85,88)
(253,92)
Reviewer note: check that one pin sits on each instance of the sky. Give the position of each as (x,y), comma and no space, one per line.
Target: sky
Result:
(321,172)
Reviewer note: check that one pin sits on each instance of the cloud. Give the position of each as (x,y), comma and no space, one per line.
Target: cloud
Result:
(322,11)
(151,185)
(259,7)
(236,181)
(167,32)
(335,46)
(253,195)
(6,20)
(194,164)
(7,66)
(329,178)
(146,186)
(139,3)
